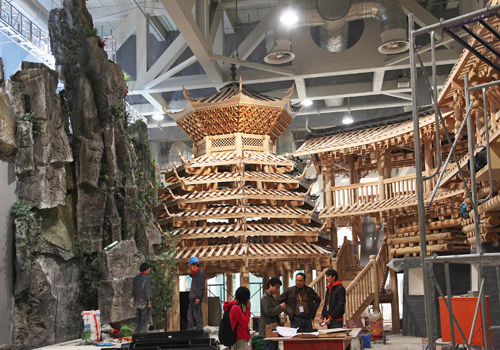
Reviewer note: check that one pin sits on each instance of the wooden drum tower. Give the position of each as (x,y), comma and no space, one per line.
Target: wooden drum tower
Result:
(236,205)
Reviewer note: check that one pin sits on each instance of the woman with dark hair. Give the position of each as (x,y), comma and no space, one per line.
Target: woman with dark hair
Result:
(240,315)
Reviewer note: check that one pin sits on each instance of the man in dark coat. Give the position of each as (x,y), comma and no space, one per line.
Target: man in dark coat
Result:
(333,310)
(270,310)
(196,295)
(143,295)
(302,302)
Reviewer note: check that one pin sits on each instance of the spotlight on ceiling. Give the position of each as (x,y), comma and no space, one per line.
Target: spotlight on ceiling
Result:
(347,118)
(307,103)
(289,17)
(158,117)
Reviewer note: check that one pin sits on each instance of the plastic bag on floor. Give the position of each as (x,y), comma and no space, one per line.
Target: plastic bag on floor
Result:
(91,325)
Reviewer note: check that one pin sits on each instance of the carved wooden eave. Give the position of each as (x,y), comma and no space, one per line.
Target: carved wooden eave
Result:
(233,256)
(407,203)
(239,157)
(250,230)
(373,139)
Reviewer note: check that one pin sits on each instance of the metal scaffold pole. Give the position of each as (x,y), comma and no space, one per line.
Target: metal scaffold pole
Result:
(419,182)
(480,259)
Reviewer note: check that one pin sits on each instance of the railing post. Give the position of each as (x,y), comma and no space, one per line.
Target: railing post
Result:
(375,288)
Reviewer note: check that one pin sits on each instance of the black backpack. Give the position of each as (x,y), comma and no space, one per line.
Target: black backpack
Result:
(227,336)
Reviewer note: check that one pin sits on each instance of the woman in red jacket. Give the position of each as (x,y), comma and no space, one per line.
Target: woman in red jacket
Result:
(240,314)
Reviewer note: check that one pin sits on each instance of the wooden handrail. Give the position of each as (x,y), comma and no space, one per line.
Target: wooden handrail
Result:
(400,178)
(362,290)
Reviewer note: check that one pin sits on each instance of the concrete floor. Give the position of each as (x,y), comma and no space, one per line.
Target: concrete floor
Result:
(393,342)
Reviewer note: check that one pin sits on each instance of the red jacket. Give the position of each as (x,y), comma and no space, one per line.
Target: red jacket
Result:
(236,315)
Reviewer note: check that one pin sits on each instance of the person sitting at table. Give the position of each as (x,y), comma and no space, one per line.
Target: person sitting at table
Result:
(302,302)
(334,307)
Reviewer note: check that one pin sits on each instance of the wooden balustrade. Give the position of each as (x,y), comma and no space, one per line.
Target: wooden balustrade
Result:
(369,192)
(346,257)
(367,284)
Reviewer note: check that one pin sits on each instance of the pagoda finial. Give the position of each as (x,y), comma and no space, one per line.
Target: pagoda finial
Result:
(233,72)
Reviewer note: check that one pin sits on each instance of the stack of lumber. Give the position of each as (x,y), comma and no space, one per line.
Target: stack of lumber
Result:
(443,233)
(489,225)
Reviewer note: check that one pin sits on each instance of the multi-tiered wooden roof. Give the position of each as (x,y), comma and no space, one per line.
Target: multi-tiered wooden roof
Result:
(236,203)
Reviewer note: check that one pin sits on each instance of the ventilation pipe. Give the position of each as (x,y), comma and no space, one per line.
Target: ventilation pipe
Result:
(334,16)
(35,12)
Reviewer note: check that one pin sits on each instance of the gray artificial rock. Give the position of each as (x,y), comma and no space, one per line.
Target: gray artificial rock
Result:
(45,187)
(90,161)
(113,217)
(7,128)
(132,214)
(121,261)
(90,209)
(118,268)
(115,300)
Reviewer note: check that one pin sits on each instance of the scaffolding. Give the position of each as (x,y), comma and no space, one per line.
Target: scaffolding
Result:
(488,54)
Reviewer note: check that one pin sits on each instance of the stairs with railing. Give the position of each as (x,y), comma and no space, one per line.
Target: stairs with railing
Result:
(362,284)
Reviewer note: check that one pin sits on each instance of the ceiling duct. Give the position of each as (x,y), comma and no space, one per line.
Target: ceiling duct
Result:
(35,12)
(336,15)
(278,46)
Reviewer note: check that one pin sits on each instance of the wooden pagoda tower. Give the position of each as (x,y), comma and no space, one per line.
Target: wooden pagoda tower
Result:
(236,205)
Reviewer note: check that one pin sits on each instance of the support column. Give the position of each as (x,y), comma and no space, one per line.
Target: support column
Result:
(429,162)
(174,314)
(229,287)
(245,277)
(375,284)
(395,302)
(309,274)
(286,280)
(204,305)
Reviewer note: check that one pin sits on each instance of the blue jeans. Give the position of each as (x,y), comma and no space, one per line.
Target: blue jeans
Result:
(195,316)
(299,322)
(270,345)
(142,317)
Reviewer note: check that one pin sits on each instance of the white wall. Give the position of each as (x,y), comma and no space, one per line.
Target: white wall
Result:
(7,190)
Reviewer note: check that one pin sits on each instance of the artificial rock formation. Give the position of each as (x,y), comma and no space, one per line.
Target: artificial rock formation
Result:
(83,183)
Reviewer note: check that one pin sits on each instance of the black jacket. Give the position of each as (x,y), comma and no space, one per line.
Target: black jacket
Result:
(142,291)
(289,297)
(336,302)
(197,290)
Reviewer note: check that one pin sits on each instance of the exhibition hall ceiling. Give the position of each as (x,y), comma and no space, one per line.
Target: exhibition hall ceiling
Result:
(165,45)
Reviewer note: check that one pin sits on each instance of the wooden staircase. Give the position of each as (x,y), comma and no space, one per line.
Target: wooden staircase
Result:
(362,284)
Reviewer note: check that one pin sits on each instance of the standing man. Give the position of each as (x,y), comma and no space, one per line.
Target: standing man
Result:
(333,310)
(196,295)
(143,295)
(302,302)
(269,310)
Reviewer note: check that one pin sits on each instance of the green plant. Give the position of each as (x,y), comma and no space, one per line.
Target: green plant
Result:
(127,76)
(36,124)
(20,209)
(89,32)
(29,232)
(89,277)
(163,272)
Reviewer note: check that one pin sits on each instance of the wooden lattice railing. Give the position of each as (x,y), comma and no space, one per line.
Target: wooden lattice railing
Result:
(346,257)
(367,284)
(370,192)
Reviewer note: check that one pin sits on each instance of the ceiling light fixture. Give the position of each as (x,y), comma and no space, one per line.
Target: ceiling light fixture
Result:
(307,102)
(347,118)
(289,17)
(345,178)
(158,117)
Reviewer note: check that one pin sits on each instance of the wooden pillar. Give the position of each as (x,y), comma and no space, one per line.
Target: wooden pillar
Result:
(204,305)
(286,281)
(375,284)
(245,277)
(229,287)
(395,302)
(309,273)
(328,183)
(333,236)
(174,314)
